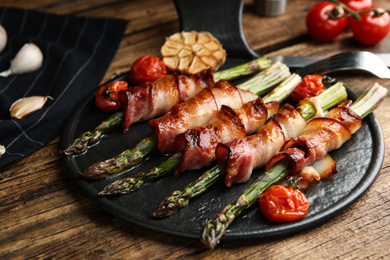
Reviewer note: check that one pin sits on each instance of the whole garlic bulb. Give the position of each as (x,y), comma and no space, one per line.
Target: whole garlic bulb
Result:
(29,58)
(3,38)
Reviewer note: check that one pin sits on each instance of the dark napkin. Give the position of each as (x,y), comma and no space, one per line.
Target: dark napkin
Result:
(77,52)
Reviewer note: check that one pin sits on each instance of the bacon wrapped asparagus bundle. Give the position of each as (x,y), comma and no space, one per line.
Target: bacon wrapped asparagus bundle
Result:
(227,125)
(198,144)
(156,98)
(238,158)
(320,137)
(196,111)
(243,155)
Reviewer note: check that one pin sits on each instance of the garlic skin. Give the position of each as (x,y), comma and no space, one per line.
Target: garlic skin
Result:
(3,38)
(29,58)
(24,107)
(2,150)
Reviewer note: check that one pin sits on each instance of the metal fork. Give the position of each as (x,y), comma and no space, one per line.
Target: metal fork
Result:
(358,60)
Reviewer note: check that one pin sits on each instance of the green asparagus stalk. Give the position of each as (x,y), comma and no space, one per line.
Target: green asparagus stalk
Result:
(272,76)
(127,159)
(215,228)
(124,160)
(81,144)
(242,70)
(134,182)
(180,198)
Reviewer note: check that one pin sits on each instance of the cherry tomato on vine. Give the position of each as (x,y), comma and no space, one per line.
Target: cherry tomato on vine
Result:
(106,98)
(324,21)
(280,203)
(372,28)
(147,69)
(310,86)
(357,5)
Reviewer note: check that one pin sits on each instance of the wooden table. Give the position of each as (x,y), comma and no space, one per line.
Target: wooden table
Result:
(43,215)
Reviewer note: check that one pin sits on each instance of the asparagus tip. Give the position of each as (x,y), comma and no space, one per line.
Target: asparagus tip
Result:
(78,146)
(170,205)
(210,237)
(164,211)
(108,190)
(123,186)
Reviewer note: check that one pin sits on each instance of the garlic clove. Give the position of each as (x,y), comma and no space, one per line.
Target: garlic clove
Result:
(29,58)
(24,107)
(2,150)
(3,38)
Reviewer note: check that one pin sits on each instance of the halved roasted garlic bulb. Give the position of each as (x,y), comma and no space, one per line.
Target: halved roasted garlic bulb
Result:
(192,52)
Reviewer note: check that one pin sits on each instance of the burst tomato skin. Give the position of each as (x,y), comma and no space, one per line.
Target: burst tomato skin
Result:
(357,5)
(320,25)
(281,203)
(310,86)
(371,29)
(106,98)
(147,69)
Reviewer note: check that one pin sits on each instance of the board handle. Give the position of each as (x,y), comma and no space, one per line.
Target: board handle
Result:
(221,18)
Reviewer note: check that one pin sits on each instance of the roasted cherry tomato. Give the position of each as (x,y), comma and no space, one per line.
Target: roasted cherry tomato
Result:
(147,69)
(281,203)
(357,5)
(321,25)
(373,26)
(106,98)
(310,86)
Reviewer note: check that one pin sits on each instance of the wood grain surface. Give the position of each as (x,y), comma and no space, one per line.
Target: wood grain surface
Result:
(43,215)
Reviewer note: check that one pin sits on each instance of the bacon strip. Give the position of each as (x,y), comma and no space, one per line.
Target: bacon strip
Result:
(198,144)
(320,136)
(319,170)
(158,97)
(245,154)
(197,111)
